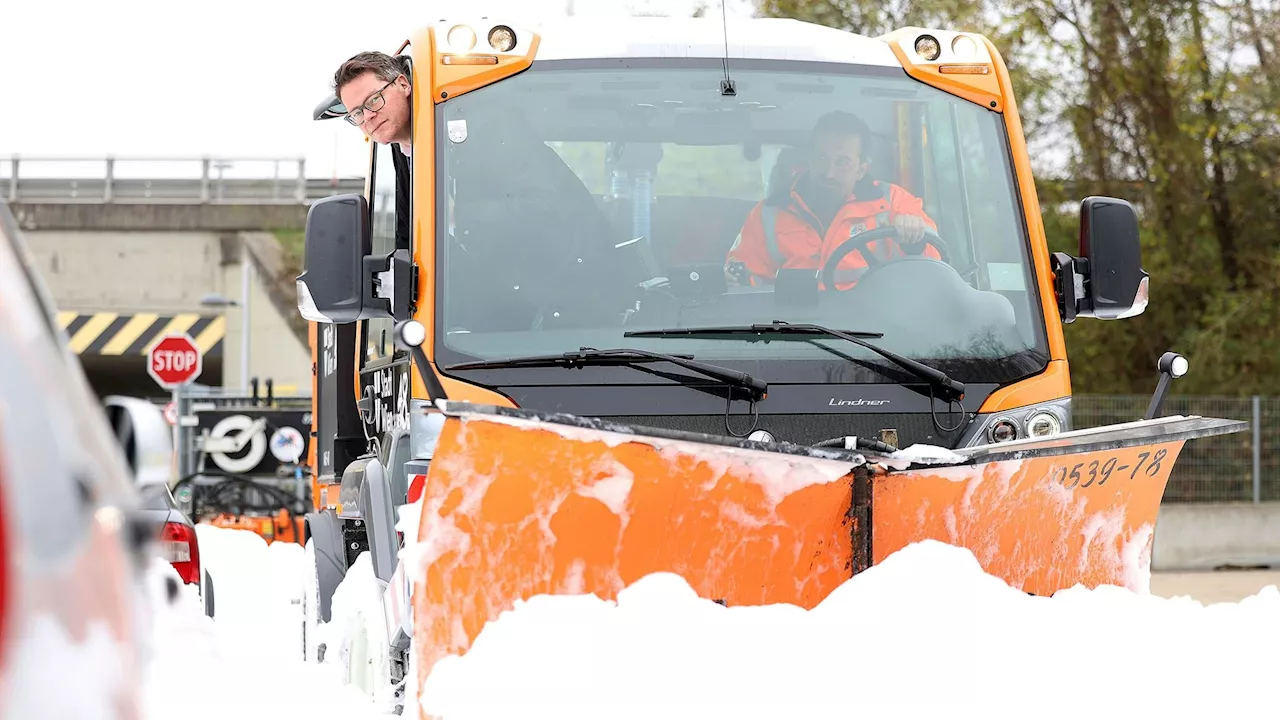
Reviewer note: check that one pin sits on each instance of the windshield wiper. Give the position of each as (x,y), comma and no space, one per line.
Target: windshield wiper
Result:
(624,356)
(951,390)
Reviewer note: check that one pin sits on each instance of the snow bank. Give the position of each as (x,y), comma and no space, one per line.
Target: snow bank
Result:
(920,454)
(66,677)
(924,634)
(248,660)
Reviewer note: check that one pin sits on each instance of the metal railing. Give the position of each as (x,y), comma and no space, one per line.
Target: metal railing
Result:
(1242,467)
(205,180)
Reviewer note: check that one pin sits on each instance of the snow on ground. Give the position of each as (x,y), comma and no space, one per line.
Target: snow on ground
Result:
(247,662)
(924,634)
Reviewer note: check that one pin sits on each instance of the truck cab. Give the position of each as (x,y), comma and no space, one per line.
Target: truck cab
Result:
(584,187)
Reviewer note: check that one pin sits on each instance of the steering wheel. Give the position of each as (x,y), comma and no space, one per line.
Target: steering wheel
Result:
(861,241)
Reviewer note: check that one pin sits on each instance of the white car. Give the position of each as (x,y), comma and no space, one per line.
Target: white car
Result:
(73,544)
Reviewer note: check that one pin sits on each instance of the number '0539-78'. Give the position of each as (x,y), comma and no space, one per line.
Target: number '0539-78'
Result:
(1099,470)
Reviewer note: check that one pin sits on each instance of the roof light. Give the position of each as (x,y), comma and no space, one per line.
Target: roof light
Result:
(502,38)
(468,59)
(928,47)
(964,47)
(461,38)
(964,69)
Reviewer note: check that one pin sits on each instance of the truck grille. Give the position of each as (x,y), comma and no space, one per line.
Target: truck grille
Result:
(809,429)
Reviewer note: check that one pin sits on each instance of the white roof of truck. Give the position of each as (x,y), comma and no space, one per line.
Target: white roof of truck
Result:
(664,37)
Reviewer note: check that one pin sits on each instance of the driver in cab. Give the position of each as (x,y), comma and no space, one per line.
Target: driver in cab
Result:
(803,221)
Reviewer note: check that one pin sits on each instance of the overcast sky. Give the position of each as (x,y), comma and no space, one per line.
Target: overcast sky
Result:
(89,78)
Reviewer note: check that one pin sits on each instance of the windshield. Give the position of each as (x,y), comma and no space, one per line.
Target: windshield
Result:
(590,199)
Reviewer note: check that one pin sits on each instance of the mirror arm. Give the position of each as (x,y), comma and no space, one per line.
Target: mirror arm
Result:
(1171,365)
(1071,282)
(389,279)
(435,389)
(409,335)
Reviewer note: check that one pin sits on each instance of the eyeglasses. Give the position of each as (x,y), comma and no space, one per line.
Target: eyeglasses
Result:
(842,162)
(373,103)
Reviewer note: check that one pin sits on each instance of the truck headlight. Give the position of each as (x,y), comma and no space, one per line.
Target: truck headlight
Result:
(1043,423)
(1032,421)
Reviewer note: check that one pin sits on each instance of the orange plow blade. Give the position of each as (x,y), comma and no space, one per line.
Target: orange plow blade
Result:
(1041,523)
(519,503)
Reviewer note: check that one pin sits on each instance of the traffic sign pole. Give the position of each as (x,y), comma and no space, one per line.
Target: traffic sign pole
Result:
(177,433)
(174,362)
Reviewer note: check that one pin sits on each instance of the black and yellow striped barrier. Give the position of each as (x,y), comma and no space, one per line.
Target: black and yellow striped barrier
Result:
(108,333)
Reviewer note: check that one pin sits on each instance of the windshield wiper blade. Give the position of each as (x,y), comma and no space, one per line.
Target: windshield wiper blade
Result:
(777,326)
(951,390)
(624,356)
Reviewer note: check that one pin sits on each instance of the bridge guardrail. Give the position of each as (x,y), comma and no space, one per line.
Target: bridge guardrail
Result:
(205,180)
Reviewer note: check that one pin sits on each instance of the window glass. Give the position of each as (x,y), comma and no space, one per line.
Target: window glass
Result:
(589,202)
(379,341)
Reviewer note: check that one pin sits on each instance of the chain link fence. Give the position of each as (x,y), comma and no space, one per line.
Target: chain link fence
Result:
(1242,467)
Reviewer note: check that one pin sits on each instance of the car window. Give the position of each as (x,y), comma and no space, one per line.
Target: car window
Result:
(155,497)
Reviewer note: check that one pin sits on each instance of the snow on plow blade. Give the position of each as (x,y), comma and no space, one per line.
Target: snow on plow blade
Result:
(519,503)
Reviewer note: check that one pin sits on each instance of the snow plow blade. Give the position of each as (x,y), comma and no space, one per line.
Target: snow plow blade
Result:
(520,503)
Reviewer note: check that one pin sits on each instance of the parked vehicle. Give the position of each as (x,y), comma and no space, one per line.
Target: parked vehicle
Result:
(74,539)
(146,439)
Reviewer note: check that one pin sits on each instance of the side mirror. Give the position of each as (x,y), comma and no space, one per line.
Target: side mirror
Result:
(144,436)
(342,281)
(328,108)
(1107,280)
(331,287)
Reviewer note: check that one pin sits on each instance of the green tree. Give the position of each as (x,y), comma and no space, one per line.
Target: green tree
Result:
(1157,104)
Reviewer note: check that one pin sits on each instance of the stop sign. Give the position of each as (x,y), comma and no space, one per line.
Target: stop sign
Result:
(175,360)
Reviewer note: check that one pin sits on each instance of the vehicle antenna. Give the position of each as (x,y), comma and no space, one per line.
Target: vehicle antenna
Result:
(726,85)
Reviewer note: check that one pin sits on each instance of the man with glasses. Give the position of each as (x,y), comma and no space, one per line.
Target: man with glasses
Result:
(806,217)
(375,89)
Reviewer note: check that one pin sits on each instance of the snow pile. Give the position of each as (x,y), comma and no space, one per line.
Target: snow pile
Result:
(62,675)
(924,634)
(920,454)
(248,660)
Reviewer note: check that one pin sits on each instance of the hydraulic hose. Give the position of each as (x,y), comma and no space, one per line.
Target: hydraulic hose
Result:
(859,443)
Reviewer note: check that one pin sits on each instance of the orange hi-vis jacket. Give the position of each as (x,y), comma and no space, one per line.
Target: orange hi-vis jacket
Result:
(788,234)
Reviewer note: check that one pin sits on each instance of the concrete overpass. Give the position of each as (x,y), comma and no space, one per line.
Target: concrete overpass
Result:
(133,248)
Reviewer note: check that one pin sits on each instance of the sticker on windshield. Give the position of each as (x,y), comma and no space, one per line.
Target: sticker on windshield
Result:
(457,130)
(1006,277)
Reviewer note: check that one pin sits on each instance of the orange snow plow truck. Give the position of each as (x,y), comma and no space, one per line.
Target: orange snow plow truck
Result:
(759,303)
